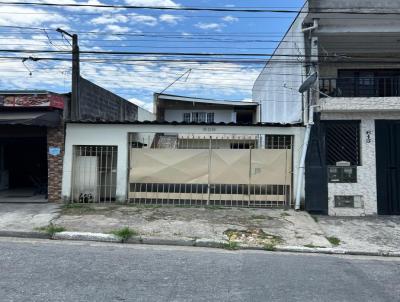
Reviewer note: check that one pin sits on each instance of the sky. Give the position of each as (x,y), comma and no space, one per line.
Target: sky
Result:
(137,76)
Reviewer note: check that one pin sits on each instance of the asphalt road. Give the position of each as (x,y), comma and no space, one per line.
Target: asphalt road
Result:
(39,270)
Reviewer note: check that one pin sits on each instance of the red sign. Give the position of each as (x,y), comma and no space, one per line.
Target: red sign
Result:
(49,100)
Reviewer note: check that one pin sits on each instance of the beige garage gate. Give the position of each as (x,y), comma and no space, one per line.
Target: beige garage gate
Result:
(249,176)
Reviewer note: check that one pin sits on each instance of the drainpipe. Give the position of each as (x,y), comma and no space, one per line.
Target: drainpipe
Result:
(303,157)
(315,26)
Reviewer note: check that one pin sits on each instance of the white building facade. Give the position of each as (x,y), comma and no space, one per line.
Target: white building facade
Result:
(353,159)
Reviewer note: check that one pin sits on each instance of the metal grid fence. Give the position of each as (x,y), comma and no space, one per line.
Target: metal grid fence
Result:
(208,193)
(94,174)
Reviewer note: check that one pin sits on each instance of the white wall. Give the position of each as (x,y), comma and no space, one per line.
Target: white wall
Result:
(176,115)
(117,135)
(145,115)
(280,104)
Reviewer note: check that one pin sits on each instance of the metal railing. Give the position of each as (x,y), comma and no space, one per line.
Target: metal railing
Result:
(360,86)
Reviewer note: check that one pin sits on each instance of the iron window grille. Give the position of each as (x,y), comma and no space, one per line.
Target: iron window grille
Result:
(342,140)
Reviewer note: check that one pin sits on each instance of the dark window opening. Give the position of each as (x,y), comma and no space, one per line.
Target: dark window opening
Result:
(342,139)
(244,117)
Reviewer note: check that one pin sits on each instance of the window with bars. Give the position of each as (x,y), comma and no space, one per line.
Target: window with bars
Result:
(342,142)
(198,117)
(210,117)
(278,141)
(186,117)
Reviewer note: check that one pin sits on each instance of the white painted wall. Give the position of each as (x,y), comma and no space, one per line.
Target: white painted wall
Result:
(117,135)
(280,104)
(145,115)
(176,115)
(366,185)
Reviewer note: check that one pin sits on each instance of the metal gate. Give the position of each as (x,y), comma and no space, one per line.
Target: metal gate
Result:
(225,171)
(388,166)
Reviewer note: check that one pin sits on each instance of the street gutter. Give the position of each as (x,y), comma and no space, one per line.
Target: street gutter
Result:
(200,242)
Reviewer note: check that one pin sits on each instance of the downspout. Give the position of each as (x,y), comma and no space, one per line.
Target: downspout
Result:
(315,26)
(301,169)
(310,123)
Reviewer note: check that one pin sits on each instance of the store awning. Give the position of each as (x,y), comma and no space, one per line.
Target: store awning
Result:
(31,118)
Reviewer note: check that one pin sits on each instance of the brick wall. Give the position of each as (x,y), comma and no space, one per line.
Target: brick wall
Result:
(55,138)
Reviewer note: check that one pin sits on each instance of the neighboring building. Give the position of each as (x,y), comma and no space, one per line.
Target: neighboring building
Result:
(31,145)
(353,159)
(197,152)
(174,108)
(32,135)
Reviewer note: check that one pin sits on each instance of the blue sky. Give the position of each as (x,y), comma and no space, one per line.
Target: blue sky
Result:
(136,30)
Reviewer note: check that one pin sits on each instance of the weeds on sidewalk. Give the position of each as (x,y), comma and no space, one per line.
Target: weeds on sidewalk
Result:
(125,233)
(51,229)
(333,240)
(230,245)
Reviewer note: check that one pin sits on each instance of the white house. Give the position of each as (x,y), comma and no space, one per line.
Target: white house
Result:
(196,152)
(353,162)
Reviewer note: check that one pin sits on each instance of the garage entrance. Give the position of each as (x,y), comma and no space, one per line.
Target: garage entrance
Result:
(23,164)
(388,166)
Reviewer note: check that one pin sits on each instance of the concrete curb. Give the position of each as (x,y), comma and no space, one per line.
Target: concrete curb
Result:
(84,236)
(22,234)
(201,242)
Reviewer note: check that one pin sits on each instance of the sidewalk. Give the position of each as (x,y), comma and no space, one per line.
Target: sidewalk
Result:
(268,229)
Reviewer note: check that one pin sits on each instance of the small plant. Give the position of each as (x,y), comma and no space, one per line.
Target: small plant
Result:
(284,214)
(125,233)
(270,246)
(333,240)
(231,245)
(51,229)
(315,218)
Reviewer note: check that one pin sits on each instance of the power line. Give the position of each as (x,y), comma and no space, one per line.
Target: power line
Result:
(325,10)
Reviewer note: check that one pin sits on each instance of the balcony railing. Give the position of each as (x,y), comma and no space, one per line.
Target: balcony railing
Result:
(361,87)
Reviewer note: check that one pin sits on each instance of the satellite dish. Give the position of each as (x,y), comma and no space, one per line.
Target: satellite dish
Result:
(308,82)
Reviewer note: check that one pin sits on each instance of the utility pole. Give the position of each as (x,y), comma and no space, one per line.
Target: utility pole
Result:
(75,106)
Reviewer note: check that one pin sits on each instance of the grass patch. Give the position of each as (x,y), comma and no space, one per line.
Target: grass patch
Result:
(51,229)
(270,247)
(315,218)
(284,214)
(333,240)
(231,245)
(125,233)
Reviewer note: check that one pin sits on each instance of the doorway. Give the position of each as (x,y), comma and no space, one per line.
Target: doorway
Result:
(23,166)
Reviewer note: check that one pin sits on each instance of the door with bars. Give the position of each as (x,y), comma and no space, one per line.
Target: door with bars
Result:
(226,170)
(94,174)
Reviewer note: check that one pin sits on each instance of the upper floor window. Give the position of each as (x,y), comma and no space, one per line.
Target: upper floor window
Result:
(198,117)
(210,117)
(186,117)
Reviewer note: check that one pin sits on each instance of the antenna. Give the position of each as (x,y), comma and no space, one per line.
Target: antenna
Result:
(308,83)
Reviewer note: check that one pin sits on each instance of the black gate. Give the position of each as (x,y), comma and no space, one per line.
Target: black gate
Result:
(316,180)
(388,166)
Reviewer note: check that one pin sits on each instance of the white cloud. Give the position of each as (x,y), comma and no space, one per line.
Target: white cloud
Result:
(144,19)
(25,16)
(109,19)
(210,26)
(230,19)
(117,29)
(170,19)
(168,3)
